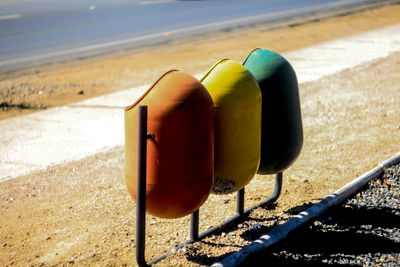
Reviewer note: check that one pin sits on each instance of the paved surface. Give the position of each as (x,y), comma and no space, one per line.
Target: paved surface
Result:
(36,141)
(47,31)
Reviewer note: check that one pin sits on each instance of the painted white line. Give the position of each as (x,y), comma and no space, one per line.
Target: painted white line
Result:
(142,3)
(10,16)
(39,140)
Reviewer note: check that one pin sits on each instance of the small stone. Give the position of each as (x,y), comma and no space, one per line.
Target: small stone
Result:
(81,92)
(232,234)
(3,245)
(88,256)
(223,186)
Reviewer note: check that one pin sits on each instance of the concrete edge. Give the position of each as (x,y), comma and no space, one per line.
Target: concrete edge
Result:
(280,232)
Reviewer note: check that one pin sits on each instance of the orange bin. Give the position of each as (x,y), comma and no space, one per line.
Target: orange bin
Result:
(180,154)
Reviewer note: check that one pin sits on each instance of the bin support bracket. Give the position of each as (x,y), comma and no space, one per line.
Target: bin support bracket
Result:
(241,213)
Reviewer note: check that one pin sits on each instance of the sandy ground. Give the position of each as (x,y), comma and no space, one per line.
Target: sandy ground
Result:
(46,87)
(80,213)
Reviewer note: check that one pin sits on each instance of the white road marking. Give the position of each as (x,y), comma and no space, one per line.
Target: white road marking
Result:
(10,16)
(142,3)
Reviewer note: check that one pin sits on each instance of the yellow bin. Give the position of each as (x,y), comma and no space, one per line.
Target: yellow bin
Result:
(237,125)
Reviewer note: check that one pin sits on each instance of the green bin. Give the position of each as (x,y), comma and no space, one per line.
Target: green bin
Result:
(281,129)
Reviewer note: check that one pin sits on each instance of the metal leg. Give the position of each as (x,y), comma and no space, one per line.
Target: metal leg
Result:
(141,188)
(276,193)
(225,225)
(240,217)
(240,201)
(194,226)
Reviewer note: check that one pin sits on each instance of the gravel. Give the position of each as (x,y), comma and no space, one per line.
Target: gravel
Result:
(364,231)
(223,186)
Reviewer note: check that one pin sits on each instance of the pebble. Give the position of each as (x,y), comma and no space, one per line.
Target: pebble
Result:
(256,226)
(223,186)
(364,231)
(88,256)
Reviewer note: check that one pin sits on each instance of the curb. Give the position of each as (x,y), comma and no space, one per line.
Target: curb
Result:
(281,231)
(33,142)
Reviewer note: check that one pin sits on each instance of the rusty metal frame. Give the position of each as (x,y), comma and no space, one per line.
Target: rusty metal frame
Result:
(241,213)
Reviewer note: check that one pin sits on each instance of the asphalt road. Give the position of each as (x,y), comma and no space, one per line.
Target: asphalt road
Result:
(36,32)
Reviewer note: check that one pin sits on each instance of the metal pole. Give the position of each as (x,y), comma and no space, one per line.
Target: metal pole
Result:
(239,217)
(141,187)
(194,226)
(240,201)
(277,191)
(231,222)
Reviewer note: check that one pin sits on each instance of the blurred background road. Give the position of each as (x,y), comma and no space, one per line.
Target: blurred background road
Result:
(33,33)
